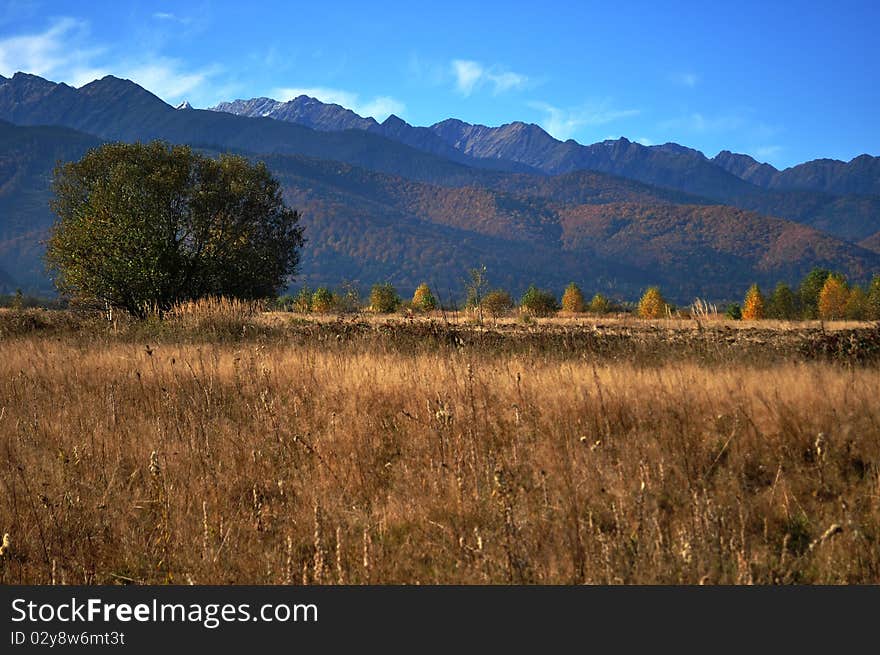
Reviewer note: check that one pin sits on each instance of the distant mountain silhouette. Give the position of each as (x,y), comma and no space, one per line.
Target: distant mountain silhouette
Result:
(860,176)
(411,204)
(841,202)
(872,243)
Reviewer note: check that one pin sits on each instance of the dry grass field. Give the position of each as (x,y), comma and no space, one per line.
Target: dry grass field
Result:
(227,447)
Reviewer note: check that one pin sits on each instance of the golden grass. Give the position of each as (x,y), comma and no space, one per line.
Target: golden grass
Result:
(287,460)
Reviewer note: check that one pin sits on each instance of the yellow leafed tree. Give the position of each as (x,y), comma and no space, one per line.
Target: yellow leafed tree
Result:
(857,304)
(573,299)
(833,299)
(652,304)
(753,306)
(423,298)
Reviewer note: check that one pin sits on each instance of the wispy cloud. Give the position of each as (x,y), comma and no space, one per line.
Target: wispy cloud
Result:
(63,53)
(174,18)
(167,77)
(58,51)
(687,79)
(565,123)
(379,107)
(768,152)
(470,76)
(700,123)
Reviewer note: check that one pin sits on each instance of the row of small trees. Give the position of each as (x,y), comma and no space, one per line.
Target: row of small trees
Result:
(823,294)
(495,303)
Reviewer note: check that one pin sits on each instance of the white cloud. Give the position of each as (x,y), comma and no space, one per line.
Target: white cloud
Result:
(689,80)
(467,74)
(380,107)
(565,123)
(171,18)
(472,75)
(57,52)
(700,123)
(166,77)
(645,141)
(63,53)
(83,76)
(767,152)
(507,81)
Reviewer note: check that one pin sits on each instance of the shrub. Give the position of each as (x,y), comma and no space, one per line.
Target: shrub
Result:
(284,303)
(652,304)
(423,299)
(497,303)
(302,301)
(350,298)
(872,303)
(384,298)
(17,300)
(809,292)
(538,302)
(857,304)
(573,299)
(833,298)
(600,304)
(323,301)
(734,312)
(753,305)
(783,303)
(476,287)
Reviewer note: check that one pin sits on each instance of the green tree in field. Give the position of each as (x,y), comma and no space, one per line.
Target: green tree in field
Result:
(833,298)
(497,303)
(384,298)
(538,302)
(148,225)
(600,304)
(872,303)
(476,286)
(349,299)
(809,291)
(734,312)
(573,300)
(652,304)
(302,301)
(423,299)
(857,304)
(284,303)
(783,303)
(323,301)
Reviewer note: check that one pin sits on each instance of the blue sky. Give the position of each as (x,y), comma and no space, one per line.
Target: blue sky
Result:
(783,81)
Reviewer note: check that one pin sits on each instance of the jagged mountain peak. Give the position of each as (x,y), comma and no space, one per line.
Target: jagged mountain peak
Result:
(394,121)
(678,149)
(302,109)
(184,105)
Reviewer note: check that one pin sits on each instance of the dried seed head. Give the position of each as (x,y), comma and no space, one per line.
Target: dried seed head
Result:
(6,545)
(155,469)
(820,446)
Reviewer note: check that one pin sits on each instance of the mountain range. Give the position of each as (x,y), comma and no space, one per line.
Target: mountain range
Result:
(404,203)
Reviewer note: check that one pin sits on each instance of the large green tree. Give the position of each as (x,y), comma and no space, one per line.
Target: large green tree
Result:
(148,225)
